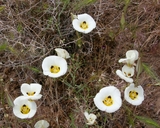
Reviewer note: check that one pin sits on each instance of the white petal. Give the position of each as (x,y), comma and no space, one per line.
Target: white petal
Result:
(33,111)
(132,55)
(123,60)
(25,88)
(128,71)
(105,92)
(88,19)
(19,102)
(93,116)
(41,124)
(98,102)
(35,97)
(116,96)
(140,97)
(54,60)
(62,53)
(33,87)
(86,115)
(90,118)
(121,75)
(36,88)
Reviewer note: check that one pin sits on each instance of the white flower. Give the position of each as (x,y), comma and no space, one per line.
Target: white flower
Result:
(41,124)
(126,73)
(131,57)
(24,108)
(54,66)
(134,95)
(83,23)
(90,118)
(108,99)
(31,90)
(62,53)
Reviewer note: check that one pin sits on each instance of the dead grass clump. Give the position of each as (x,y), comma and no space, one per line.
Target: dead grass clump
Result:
(31,30)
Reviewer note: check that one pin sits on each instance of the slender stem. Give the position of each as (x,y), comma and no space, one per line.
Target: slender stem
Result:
(79,41)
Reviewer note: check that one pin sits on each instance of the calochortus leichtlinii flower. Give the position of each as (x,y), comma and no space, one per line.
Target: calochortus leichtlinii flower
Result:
(131,57)
(91,118)
(62,53)
(41,124)
(32,91)
(24,108)
(126,73)
(134,95)
(83,23)
(108,99)
(54,66)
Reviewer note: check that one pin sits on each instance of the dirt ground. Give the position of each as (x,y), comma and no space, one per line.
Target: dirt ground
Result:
(30,30)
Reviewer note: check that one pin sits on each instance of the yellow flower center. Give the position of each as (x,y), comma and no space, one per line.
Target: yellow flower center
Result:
(25,109)
(129,65)
(108,101)
(54,69)
(30,93)
(133,95)
(84,25)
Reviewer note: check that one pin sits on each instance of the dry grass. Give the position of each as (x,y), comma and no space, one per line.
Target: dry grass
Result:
(31,29)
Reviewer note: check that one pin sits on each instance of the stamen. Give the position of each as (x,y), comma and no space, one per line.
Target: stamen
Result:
(133,95)
(129,74)
(84,25)
(125,73)
(30,93)
(54,69)
(108,101)
(25,109)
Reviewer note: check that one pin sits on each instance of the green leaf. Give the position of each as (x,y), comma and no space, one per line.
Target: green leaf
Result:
(149,71)
(139,67)
(122,21)
(82,3)
(158,83)
(127,2)
(9,99)
(3,47)
(19,27)
(148,121)
(130,118)
(34,69)
(2,8)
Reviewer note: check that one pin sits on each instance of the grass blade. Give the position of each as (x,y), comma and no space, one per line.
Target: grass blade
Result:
(148,121)
(149,71)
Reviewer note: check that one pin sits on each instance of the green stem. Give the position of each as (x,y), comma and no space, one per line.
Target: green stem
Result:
(79,41)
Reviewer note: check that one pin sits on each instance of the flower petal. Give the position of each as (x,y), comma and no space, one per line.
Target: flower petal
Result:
(140,97)
(121,75)
(114,93)
(80,19)
(31,88)
(21,101)
(86,115)
(25,88)
(128,71)
(62,53)
(41,124)
(132,54)
(57,61)
(36,87)
(131,57)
